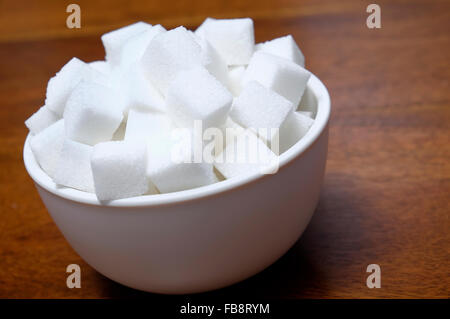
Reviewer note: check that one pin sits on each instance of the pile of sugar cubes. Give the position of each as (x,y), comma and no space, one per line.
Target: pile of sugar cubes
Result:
(107,126)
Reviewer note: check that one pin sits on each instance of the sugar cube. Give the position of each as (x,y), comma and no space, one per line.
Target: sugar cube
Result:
(93,113)
(200,31)
(150,129)
(182,176)
(40,120)
(168,147)
(116,78)
(61,85)
(101,66)
(233,38)
(196,95)
(284,47)
(246,154)
(47,145)
(230,127)
(169,53)
(215,143)
(134,48)
(213,61)
(235,74)
(260,108)
(90,74)
(139,92)
(144,125)
(74,166)
(278,74)
(113,41)
(119,170)
(171,165)
(293,129)
(154,129)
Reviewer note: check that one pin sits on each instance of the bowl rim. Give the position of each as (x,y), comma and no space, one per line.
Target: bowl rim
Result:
(323,106)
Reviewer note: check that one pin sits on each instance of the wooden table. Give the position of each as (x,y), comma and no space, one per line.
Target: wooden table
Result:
(385,198)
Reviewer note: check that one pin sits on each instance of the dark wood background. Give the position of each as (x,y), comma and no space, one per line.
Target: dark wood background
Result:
(386,194)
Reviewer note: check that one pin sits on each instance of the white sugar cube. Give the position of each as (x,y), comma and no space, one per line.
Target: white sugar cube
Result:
(169,53)
(90,74)
(261,110)
(93,113)
(278,74)
(213,61)
(134,48)
(47,145)
(117,80)
(284,47)
(246,154)
(229,123)
(293,129)
(235,74)
(154,131)
(139,92)
(61,85)
(230,128)
(74,166)
(101,66)
(158,135)
(113,41)
(233,38)
(196,95)
(183,176)
(201,29)
(142,126)
(171,165)
(119,170)
(216,142)
(167,146)
(40,120)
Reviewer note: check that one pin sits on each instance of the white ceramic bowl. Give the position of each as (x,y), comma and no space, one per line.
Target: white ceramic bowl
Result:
(200,239)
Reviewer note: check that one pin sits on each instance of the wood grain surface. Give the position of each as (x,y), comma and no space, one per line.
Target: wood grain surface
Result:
(385,198)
